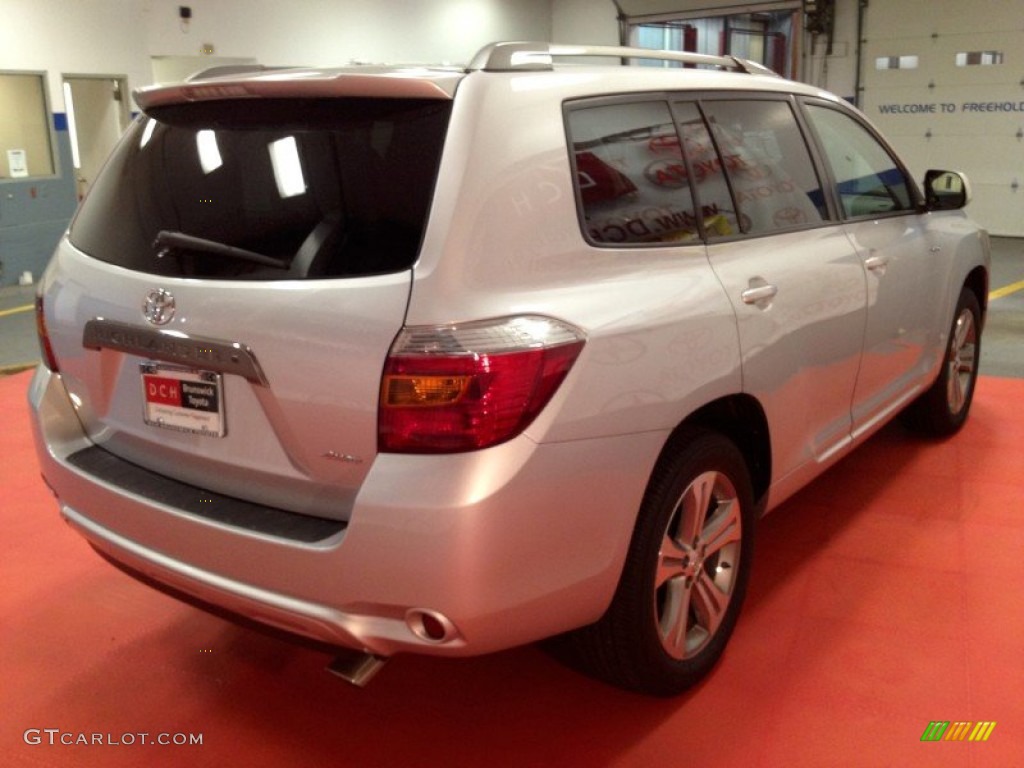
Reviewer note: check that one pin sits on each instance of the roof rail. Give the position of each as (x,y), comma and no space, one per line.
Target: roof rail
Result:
(539,57)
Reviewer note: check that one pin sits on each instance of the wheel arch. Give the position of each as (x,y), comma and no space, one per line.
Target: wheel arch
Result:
(741,419)
(977,282)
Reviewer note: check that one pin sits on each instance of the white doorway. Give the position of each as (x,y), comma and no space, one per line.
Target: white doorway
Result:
(97,110)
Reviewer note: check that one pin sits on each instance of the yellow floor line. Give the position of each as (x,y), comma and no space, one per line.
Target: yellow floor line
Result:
(1006,290)
(16,310)
(6,370)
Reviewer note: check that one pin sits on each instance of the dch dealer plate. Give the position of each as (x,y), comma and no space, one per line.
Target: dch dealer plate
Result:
(183,399)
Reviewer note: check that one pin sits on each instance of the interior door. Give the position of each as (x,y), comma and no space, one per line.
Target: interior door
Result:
(97,116)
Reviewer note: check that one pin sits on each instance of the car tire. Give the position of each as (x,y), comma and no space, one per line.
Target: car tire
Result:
(685,574)
(943,409)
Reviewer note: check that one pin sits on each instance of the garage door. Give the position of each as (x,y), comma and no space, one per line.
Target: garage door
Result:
(945,83)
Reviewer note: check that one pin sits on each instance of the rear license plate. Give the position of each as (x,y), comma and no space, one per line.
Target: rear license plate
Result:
(183,399)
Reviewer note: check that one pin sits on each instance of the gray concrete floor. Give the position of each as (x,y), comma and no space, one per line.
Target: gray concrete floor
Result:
(18,346)
(1002,344)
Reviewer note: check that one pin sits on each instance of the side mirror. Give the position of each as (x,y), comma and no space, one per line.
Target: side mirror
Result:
(946,190)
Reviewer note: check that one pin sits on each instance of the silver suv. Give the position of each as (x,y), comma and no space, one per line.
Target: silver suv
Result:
(445,361)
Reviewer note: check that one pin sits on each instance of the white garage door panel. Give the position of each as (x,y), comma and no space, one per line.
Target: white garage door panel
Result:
(939,115)
(991,163)
(937,58)
(997,204)
(893,78)
(992,167)
(921,18)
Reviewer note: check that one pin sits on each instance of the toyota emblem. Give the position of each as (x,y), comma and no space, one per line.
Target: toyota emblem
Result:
(158,308)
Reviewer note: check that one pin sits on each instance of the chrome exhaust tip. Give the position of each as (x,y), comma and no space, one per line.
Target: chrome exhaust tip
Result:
(356,668)
(431,626)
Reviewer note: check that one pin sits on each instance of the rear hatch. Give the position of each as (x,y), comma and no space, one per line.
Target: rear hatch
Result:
(223,306)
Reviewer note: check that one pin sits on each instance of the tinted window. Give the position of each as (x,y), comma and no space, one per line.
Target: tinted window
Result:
(292,188)
(868,179)
(767,163)
(716,202)
(630,175)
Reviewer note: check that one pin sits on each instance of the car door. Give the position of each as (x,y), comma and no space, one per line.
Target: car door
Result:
(905,295)
(795,282)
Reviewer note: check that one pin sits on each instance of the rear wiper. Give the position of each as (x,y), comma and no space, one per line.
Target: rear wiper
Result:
(178,241)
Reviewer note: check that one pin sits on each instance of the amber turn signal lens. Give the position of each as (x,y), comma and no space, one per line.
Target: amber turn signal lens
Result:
(423,391)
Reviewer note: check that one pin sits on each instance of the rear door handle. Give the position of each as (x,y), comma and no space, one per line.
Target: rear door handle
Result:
(759,294)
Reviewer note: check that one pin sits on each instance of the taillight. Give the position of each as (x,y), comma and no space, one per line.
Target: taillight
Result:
(49,359)
(463,387)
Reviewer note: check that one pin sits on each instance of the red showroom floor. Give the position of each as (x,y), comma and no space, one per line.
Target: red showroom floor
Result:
(886,596)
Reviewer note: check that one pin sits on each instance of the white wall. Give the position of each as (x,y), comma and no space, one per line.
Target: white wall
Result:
(118,37)
(80,37)
(594,22)
(337,31)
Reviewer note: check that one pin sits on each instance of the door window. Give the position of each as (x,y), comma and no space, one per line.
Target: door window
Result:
(768,165)
(868,180)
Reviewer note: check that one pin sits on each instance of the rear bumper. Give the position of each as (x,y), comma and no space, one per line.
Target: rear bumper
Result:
(506,545)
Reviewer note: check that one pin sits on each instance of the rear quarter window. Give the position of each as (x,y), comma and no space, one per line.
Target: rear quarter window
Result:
(631,181)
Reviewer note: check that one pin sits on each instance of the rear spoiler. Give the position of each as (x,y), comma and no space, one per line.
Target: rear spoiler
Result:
(269,83)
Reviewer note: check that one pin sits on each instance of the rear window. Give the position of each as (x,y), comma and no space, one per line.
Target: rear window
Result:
(268,189)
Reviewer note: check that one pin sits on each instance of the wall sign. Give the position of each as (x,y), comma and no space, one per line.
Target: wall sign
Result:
(17,163)
(949,108)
